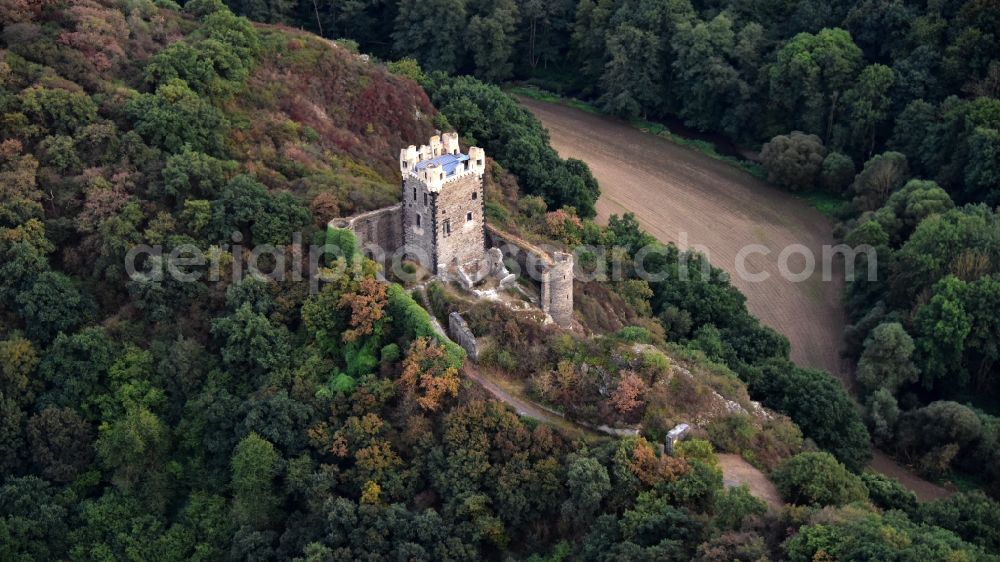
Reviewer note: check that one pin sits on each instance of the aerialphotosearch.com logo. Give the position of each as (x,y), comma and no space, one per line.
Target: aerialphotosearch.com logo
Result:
(753,263)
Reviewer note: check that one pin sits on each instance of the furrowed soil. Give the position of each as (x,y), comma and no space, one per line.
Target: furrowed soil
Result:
(685,197)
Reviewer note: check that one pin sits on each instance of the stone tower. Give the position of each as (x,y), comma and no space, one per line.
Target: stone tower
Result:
(442,201)
(557,289)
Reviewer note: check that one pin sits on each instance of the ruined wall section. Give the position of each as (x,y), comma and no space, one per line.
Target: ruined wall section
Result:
(553,272)
(459,331)
(377,231)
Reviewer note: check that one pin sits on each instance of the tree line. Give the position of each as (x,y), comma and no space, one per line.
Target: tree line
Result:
(861,76)
(888,105)
(249,419)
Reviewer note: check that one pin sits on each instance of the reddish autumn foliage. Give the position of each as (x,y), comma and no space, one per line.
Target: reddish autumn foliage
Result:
(20,11)
(426,374)
(99,33)
(628,395)
(651,469)
(367,306)
(323,208)
(357,109)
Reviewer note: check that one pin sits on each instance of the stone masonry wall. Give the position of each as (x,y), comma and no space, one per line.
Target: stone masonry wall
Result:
(557,289)
(529,264)
(554,272)
(459,221)
(459,331)
(419,240)
(377,231)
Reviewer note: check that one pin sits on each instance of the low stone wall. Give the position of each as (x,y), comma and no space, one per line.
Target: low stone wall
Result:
(459,331)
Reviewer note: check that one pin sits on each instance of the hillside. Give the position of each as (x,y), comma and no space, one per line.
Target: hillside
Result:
(147,125)
(158,402)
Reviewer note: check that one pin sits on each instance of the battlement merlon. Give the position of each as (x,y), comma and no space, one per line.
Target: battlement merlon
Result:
(440,161)
(438,145)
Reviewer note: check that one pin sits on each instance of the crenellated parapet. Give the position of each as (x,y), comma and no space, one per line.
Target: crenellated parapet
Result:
(442,198)
(441,161)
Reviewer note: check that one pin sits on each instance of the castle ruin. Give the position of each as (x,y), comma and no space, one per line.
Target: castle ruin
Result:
(443,212)
(440,224)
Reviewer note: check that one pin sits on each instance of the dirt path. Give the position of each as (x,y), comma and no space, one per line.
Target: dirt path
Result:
(736,471)
(926,491)
(684,197)
(523,407)
(692,200)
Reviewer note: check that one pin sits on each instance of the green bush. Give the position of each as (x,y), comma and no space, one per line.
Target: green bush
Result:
(634,334)
(412,321)
(972,516)
(818,403)
(340,384)
(344,240)
(735,506)
(390,354)
(439,302)
(888,493)
(499,358)
(731,434)
(817,478)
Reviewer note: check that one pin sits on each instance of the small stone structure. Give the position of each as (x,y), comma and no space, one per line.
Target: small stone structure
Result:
(460,333)
(490,265)
(674,436)
(440,223)
(553,271)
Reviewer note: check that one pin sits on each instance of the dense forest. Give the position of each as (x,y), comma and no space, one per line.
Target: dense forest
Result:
(887,105)
(253,419)
(916,77)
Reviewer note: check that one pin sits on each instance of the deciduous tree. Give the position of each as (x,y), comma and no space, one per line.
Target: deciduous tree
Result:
(255,467)
(887,361)
(793,160)
(818,479)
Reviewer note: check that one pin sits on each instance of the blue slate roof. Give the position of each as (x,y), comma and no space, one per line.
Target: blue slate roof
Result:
(450,162)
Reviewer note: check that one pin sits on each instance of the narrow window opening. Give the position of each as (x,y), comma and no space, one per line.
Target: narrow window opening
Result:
(425,199)
(447,227)
(418,220)
(414,194)
(475,195)
(468,216)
